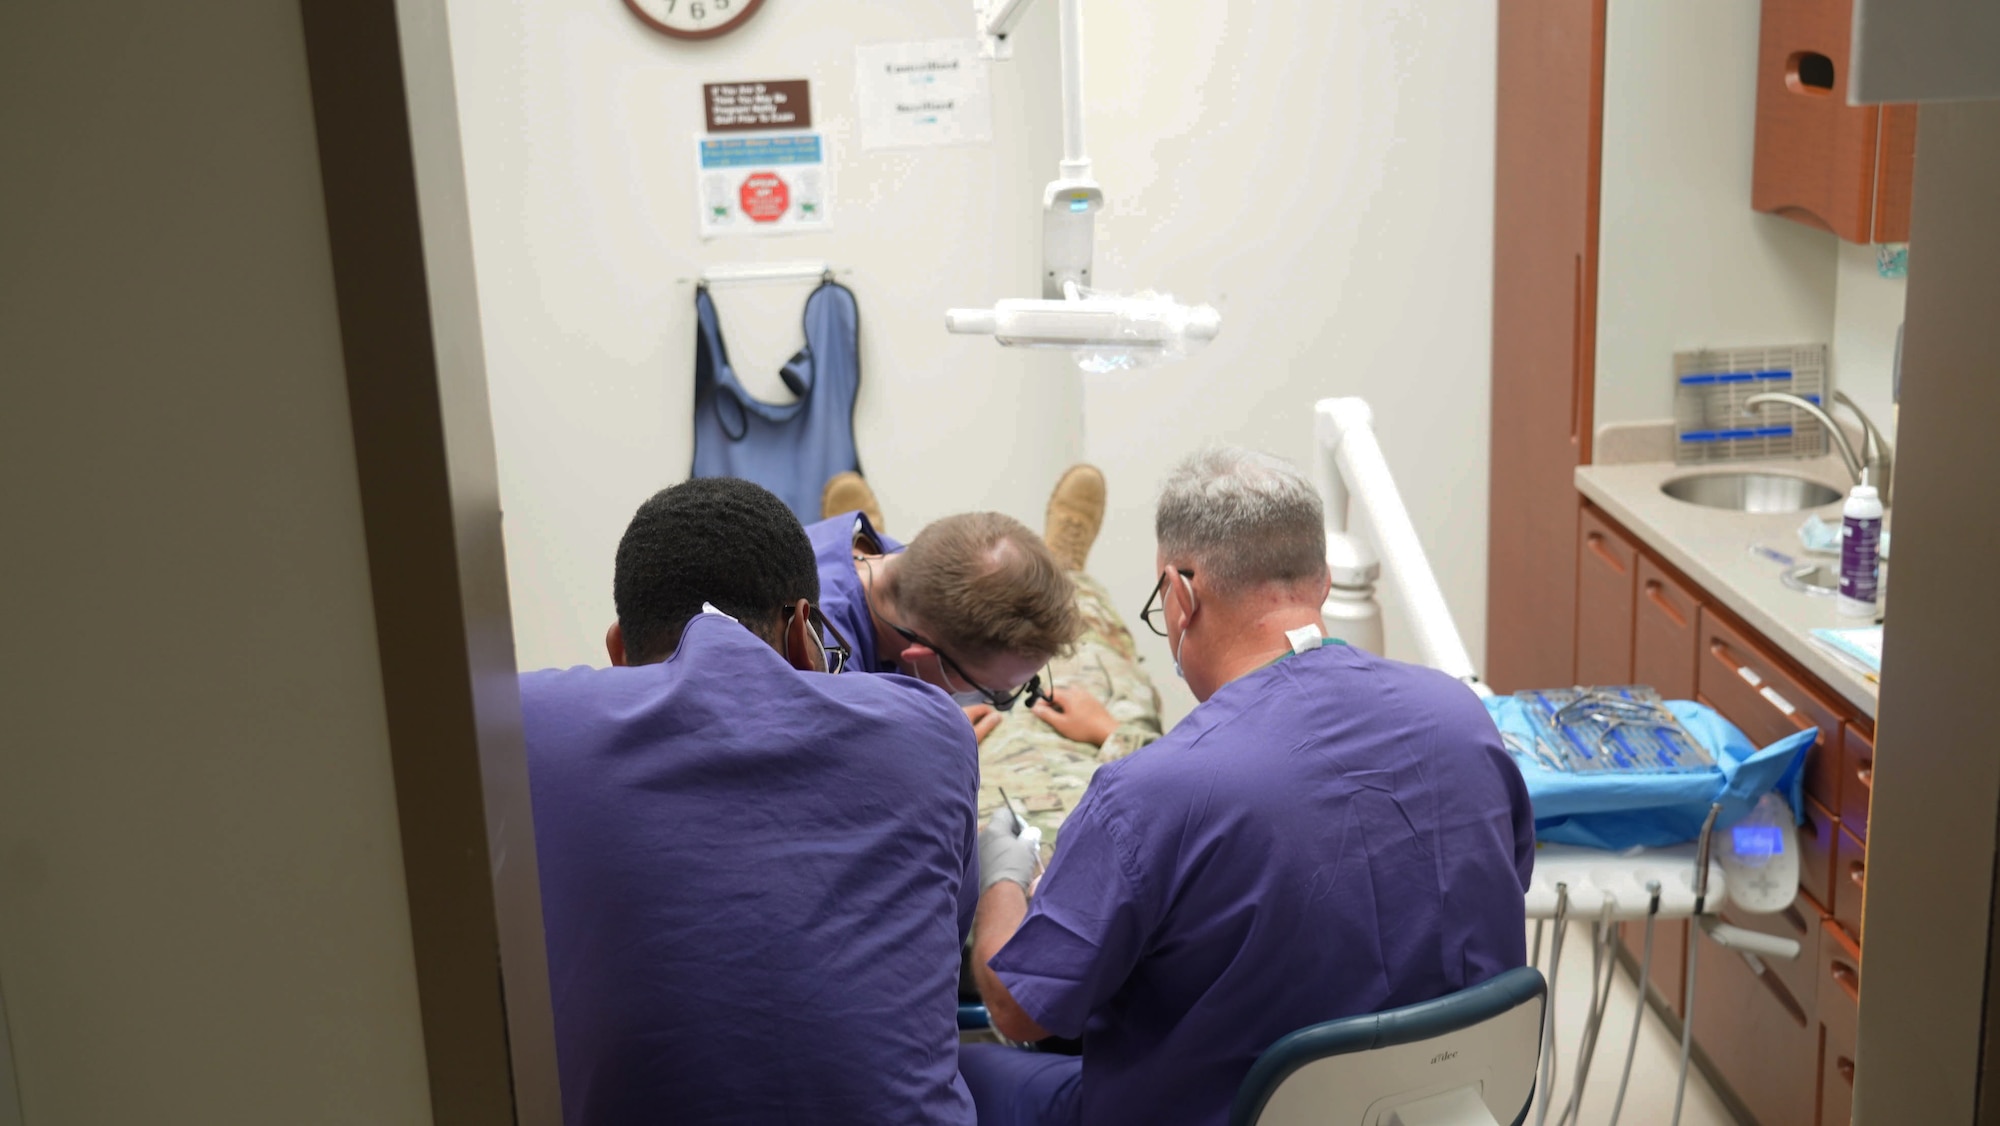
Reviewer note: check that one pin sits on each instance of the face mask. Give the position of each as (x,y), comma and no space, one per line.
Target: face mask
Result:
(967,699)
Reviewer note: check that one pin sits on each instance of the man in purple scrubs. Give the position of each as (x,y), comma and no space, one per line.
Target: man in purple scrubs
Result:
(750,869)
(976,605)
(1328,833)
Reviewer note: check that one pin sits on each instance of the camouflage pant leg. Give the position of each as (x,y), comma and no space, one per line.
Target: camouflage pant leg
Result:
(1045,773)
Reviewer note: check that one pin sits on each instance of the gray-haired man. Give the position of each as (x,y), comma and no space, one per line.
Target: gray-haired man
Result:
(1328,833)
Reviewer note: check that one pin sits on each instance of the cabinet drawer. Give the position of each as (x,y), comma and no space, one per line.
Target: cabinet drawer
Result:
(1669,976)
(1818,841)
(1850,881)
(1802,922)
(1665,623)
(1745,683)
(1857,781)
(1606,563)
(1839,1019)
(1763,1043)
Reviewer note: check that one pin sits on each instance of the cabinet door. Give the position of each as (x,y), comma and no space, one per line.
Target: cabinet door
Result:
(1850,882)
(1819,839)
(1550,95)
(1664,641)
(1761,1039)
(1744,682)
(1857,782)
(1607,564)
(1839,1020)
(1841,168)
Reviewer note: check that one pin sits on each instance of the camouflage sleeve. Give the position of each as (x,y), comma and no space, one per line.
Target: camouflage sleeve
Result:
(1128,738)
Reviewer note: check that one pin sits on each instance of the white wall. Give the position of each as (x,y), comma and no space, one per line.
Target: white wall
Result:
(578,125)
(1867,311)
(202,907)
(1324,174)
(1683,262)
(1321,172)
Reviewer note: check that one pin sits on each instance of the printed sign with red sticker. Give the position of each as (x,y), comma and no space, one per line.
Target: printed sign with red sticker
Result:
(772,183)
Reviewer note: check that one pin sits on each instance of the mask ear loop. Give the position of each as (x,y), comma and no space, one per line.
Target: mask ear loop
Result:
(1185,622)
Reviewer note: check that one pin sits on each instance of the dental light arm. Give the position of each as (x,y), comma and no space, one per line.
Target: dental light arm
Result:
(1068,315)
(1353,472)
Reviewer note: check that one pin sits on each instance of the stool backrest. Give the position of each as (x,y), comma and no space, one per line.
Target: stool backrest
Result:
(1357,1071)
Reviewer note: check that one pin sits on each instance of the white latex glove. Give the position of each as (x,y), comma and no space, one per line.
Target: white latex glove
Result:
(1003,855)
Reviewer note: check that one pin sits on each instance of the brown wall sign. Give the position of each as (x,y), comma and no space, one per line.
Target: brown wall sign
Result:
(737,107)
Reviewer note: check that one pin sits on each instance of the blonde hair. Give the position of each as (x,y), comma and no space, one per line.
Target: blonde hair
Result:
(983,585)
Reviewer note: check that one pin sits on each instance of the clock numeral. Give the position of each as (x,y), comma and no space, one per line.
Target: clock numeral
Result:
(670,7)
(697,11)
(721,5)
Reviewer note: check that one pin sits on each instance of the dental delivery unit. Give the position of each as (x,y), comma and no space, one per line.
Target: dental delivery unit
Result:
(1644,808)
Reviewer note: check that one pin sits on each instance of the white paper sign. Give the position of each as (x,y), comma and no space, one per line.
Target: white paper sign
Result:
(762,184)
(918,94)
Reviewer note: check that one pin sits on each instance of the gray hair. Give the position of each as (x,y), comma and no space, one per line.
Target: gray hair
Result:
(1242,517)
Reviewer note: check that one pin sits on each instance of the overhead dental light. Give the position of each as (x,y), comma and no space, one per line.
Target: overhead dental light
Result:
(1106,330)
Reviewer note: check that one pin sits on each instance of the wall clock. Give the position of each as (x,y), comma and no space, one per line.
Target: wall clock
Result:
(694,19)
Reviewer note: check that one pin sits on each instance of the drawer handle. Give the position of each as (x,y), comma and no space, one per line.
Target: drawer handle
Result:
(1595,541)
(1655,593)
(1846,1068)
(1857,874)
(1849,980)
(1866,775)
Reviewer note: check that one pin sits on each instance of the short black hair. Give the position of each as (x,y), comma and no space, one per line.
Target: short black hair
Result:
(720,540)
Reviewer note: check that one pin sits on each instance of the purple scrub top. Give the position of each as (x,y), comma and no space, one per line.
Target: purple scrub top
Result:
(844,601)
(749,885)
(842,598)
(1330,835)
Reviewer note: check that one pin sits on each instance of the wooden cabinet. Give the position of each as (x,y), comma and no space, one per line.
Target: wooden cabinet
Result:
(1550,91)
(1850,882)
(1857,781)
(1839,1020)
(1761,1038)
(1606,576)
(1664,641)
(1819,841)
(1841,168)
(1777,1033)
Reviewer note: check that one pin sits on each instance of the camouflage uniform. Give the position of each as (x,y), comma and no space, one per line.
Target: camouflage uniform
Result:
(1045,773)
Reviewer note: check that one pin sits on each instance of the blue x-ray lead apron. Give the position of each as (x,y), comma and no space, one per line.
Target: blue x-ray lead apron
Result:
(789,448)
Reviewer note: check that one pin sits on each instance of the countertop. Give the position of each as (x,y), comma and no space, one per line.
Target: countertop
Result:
(1711,546)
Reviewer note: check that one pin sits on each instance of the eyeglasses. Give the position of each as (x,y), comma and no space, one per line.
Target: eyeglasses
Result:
(836,650)
(1001,701)
(1156,607)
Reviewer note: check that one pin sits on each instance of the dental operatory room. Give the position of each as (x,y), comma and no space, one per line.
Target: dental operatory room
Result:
(1000,562)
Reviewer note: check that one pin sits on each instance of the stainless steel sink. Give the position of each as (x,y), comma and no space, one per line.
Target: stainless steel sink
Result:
(1750,492)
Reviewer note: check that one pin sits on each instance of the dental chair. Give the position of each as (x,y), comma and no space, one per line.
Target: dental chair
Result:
(1464,1060)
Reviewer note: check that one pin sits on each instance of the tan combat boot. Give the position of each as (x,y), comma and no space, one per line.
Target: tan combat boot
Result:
(1076,512)
(847,492)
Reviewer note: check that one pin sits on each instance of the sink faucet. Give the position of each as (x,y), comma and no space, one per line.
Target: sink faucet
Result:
(1877,456)
(1833,431)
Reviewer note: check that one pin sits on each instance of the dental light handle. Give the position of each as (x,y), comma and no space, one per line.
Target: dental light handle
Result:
(1345,432)
(1749,941)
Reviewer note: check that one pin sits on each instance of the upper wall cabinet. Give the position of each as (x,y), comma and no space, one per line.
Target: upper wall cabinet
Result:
(1820,161)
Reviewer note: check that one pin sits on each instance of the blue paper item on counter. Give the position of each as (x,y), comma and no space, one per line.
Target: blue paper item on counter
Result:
(1619,810)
